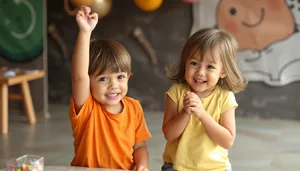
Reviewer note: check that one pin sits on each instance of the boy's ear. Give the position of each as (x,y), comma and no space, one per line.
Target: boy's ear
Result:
(129,74)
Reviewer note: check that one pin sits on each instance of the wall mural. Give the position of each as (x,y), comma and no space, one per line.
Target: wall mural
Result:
(21,28)
(267,31)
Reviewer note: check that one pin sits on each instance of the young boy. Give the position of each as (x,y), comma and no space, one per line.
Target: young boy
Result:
(109,128)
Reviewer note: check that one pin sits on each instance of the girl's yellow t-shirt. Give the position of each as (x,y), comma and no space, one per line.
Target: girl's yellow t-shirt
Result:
(195,151)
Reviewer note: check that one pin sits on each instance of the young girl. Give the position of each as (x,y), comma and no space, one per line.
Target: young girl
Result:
(199,118)
(109,128)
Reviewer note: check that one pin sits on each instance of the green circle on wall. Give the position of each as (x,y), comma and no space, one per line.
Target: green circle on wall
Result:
(21,28)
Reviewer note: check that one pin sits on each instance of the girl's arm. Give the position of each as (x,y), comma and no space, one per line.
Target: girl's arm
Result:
(222,133)
(174,123)
(80,58)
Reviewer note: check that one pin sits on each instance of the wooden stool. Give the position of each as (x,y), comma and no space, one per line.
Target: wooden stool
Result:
(21,78)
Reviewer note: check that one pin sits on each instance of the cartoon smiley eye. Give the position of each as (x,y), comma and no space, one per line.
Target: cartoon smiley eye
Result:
(232,11)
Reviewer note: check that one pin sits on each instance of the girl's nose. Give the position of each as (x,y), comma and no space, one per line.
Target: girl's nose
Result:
(201,71)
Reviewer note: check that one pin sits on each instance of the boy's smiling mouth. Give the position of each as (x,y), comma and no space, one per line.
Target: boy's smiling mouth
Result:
(112,95)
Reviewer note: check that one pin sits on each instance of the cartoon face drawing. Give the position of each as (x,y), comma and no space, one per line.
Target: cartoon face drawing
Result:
(256,23)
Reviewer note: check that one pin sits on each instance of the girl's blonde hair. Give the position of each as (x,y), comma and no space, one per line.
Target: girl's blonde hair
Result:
(109,55)
(213,40)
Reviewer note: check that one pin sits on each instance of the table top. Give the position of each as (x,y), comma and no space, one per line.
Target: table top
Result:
(12,77)
(72,168)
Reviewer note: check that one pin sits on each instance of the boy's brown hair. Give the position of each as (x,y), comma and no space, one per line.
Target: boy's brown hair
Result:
(107,54)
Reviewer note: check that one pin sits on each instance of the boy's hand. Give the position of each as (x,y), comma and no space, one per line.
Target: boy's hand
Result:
(140,168)
(194,104)
(86,21)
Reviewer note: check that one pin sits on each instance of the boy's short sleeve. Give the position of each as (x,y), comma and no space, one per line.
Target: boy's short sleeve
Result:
(85,110)
(229,102)
(141,133)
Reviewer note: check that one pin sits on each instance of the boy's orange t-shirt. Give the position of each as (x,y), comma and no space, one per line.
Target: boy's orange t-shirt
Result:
(106,140)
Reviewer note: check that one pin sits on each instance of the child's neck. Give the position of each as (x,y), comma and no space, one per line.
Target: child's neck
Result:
(115,109)
(205,93)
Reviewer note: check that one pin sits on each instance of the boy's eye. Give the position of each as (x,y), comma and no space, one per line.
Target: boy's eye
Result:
(121,76)
(103,79)
(210,67)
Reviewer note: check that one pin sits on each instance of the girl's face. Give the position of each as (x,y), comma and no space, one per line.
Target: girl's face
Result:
(203,76)
(109,88)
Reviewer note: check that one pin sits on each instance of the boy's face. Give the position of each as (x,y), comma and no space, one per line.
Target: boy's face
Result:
(109,88)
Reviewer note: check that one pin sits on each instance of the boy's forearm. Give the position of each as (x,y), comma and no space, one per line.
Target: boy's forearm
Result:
(80,58)
(141,157)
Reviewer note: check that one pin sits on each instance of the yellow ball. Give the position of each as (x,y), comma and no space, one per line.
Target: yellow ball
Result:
(102,7)
(148,5)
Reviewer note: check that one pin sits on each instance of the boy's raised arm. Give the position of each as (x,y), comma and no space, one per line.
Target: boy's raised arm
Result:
(80,59)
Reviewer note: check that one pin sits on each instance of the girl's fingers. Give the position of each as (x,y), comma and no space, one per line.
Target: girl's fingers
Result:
(191,100)
(186,96)
(192,104)
(185,103)
(194,96)
(192,109)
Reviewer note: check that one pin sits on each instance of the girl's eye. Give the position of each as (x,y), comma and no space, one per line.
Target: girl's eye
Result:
(103,79)
(210,67)
(194,63)
(121,77)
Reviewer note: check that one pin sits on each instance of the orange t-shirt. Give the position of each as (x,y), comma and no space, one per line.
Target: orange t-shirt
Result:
(106,140)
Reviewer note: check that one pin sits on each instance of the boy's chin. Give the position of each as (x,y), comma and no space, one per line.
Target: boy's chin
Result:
(112,102)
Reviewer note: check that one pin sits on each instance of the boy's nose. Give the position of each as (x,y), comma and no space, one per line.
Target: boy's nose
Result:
(113,85)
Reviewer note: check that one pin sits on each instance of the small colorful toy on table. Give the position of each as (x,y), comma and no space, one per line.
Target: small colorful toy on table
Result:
(26,163)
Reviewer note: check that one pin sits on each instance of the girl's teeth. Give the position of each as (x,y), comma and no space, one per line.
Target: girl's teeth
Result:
(200,81)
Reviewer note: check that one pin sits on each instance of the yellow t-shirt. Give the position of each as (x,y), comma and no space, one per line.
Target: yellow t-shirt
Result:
(195,151)
(106,140)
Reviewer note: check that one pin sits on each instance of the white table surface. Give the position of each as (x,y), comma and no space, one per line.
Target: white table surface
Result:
(71,168)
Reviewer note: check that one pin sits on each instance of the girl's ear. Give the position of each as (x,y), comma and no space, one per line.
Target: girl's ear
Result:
(223,74)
